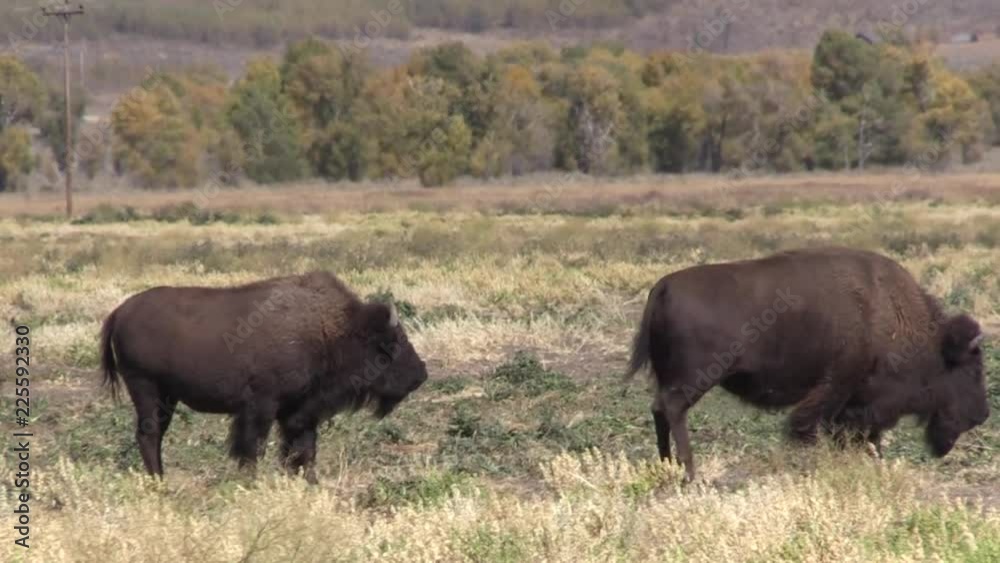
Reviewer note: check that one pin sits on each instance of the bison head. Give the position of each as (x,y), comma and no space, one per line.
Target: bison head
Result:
(960,403)
(381,364)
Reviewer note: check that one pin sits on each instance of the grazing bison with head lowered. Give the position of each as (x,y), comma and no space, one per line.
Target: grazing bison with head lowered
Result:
(295,349)
(846,337)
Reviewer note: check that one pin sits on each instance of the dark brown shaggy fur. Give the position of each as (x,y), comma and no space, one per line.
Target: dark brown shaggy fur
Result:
(846,337)
(295,349)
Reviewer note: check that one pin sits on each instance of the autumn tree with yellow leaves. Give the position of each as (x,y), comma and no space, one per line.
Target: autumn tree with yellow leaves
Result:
(601,109)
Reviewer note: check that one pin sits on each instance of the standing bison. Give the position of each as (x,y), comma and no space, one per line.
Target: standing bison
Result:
(846,337)
(295,349)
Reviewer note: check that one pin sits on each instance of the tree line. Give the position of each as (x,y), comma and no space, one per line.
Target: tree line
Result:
(28,109)
(324,111)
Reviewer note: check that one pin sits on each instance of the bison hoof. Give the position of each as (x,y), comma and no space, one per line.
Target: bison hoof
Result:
(875,452)
(806,436)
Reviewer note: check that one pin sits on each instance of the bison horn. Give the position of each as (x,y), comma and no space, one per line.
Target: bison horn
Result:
(976,342)
(393,316)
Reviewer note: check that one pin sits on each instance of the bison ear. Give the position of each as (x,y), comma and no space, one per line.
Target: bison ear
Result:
(378,317)
(962,339)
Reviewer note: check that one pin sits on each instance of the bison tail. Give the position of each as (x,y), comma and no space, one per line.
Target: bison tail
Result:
(640,347)
(108,364)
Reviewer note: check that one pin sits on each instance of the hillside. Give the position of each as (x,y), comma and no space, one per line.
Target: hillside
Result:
(120,40)
(265,22)
(641,24)
(762,24)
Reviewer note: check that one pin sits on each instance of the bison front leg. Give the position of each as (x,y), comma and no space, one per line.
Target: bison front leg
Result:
(875,440)
(856,425)
(870,440)
(249,434)
(820,406)
(298,449)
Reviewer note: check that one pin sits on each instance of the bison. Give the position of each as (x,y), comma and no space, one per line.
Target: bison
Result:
(845,337)
(294,349)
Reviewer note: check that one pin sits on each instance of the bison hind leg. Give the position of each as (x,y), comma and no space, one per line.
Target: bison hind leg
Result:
(674,403)
(153,413)
(248,434)
(662,426)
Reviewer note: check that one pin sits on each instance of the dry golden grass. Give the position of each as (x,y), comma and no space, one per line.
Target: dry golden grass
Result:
(493,283)
(544,192)
(592,508)
(472,468)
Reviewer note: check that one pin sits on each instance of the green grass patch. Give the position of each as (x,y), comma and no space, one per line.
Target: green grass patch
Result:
(424,490)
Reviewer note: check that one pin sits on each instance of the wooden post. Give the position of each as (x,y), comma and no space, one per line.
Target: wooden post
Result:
(83,75)
(66,12)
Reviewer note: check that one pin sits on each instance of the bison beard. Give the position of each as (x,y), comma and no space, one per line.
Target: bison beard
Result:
(940,437)
(305,348)
(861,346)
(385,405)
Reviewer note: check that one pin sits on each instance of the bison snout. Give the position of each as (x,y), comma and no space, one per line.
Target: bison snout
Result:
(421,378)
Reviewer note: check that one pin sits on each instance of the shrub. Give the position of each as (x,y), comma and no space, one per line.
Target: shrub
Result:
(176,212)
(16,160)
(424,490)
(525,373)
(262,117)
(108,213)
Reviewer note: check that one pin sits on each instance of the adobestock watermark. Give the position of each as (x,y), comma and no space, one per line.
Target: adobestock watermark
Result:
(246,326)
(563,12)
(921,340)
(552,190)
(916,168)
(375,368)
(33,21)
(751,332)
(900,15)
(255,148)
(763,148)
(925,339)
(712,29)
(165,410)
(603,140)
(804,116)
(377,26)
(90,139)
(223,7)
(231,172)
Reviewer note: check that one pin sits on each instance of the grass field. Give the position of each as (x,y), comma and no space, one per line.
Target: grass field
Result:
(522,447)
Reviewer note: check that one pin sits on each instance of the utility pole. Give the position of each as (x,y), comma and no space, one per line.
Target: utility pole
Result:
(66,12)
(83,75)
